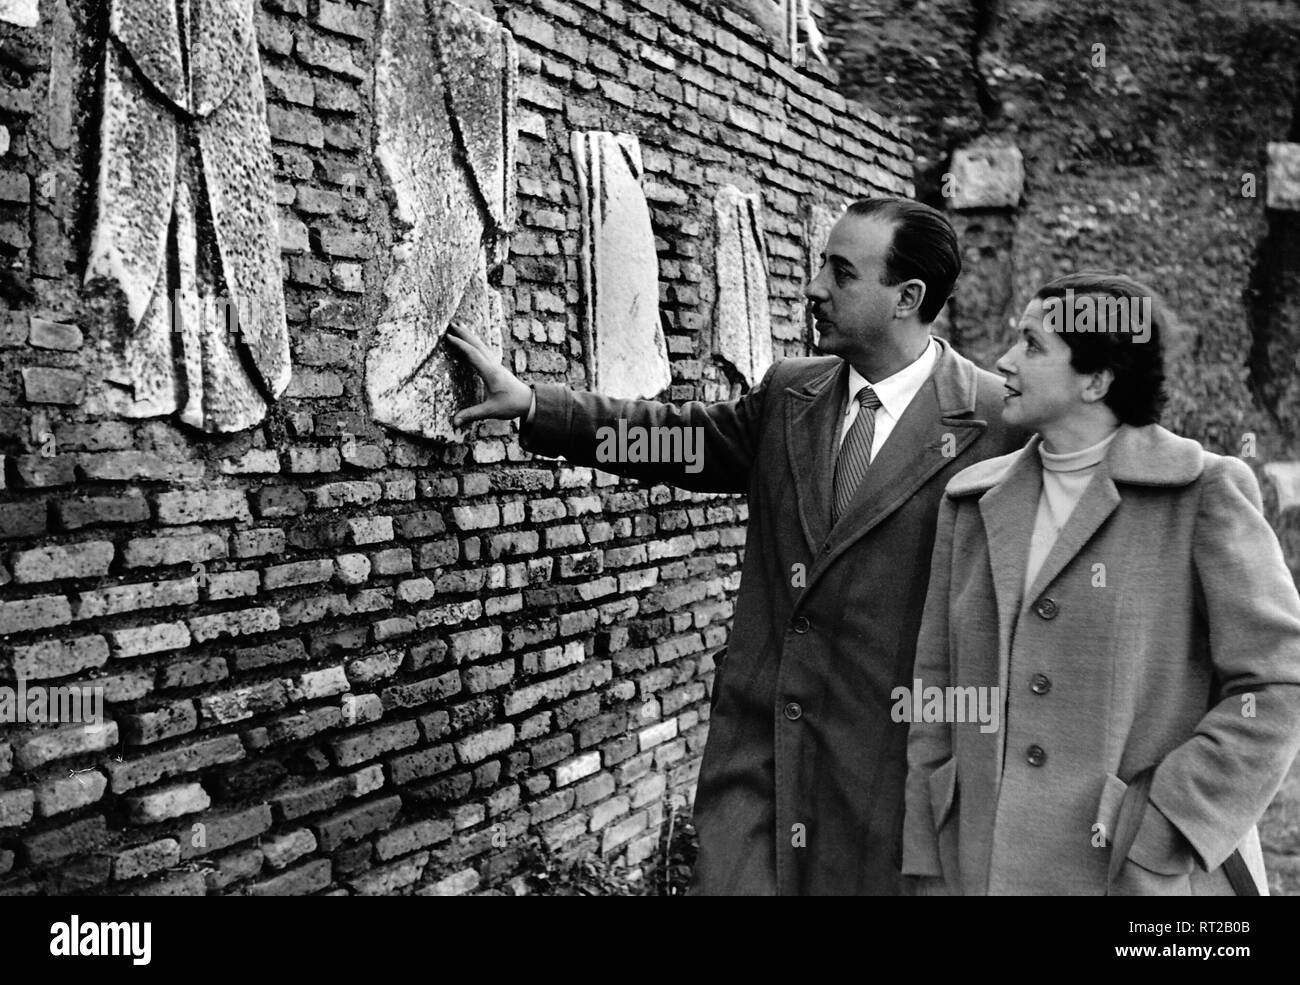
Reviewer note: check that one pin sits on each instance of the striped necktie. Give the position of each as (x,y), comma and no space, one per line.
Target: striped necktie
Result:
(855,452)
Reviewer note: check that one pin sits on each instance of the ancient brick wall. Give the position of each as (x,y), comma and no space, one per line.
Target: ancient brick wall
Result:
(337,658)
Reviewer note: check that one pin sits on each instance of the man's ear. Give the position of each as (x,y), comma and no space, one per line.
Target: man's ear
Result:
(1098,385)
(911,294)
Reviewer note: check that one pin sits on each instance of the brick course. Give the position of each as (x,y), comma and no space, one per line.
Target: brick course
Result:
(393,662)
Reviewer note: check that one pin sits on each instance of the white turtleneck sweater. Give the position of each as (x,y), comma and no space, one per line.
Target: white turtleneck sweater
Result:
(1065,476)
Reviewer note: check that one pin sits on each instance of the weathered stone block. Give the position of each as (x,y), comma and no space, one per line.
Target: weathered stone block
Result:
(76,513)
(987,177)
(445,123)
(144,859)
(624,342)
(742,318)
(67,793)
(47,385)
(157,638)
(159,209)
(132,773)
(356,822)
(195,506)
(160,805)
(59,658)
(49,746)
(88,560)
(1283,176)
(46,334)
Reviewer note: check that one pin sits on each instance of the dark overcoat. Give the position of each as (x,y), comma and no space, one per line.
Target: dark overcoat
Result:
(801,784)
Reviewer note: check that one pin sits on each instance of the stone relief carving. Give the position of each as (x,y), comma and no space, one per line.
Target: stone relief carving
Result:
(788,24)
(445,108)
(819,220)
(623,338)
(186,241)
(742,317)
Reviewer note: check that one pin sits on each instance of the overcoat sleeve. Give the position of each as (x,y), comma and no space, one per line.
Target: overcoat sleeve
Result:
(929,744)
(570,422)
(1215,786)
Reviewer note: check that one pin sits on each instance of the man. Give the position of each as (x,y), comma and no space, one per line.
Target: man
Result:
(844,460)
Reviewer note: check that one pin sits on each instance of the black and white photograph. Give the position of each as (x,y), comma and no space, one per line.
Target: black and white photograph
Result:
(650,448)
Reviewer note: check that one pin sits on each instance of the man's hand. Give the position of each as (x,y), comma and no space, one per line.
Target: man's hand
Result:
(507,396)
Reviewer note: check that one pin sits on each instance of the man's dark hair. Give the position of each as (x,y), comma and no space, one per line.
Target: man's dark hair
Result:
(924,248)
(1137,395)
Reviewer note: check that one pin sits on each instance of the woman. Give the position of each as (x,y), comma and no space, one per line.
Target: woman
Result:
(1120,588)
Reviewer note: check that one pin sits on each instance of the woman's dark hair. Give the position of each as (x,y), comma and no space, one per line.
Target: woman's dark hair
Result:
(1126,338)
(924,248)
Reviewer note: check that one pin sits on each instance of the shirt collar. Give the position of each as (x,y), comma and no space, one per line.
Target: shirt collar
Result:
(896,392)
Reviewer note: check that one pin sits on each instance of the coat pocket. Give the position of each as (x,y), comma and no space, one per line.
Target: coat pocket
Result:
(943,801)
(1126,818)
(1112,796)
(943,791)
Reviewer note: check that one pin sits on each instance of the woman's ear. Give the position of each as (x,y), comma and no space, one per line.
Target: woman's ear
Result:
(1098,385)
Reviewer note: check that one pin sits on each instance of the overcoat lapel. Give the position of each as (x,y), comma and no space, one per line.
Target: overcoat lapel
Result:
(812,430)
(1099,500)
(1007,511)
(914,452)
(936,428)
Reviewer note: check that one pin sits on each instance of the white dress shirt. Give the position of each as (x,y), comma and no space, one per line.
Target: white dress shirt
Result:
(895,393)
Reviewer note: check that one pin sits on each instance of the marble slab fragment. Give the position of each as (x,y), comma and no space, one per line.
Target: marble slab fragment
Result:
(185,246)
(742,315)
(624,342)
(445,109)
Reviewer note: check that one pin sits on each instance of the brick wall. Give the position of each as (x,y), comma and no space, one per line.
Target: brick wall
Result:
(336,659)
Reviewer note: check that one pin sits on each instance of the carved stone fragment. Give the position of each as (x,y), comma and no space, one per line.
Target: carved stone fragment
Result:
(742,318)
(445,109)
(819,220)
(785,23)
(185,240)
(818,223)
(623,338)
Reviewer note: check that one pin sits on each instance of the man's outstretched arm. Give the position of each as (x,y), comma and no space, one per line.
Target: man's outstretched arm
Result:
(710,447)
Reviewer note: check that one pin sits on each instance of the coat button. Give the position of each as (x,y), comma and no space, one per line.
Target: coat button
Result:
(1035,755)
(793,711)
(802,625)
(1040,684)
(1046,608)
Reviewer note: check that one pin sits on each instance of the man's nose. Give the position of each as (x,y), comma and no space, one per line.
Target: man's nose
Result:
(815,291)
